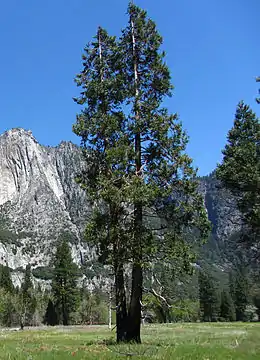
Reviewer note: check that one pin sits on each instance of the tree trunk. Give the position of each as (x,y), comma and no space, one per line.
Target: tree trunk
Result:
(121,310)
(65,320)
(134,316)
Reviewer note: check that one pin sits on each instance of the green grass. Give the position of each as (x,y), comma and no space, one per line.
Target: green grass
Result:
(218,341)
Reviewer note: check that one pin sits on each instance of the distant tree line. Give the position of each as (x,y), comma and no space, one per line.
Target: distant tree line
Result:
(231,301)
(200,297)
(64,301)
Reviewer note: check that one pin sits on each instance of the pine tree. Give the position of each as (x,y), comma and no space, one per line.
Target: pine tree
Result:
(227,308)
(7,311)
(209,297)
(64,283)
(137,167)
(27,284)
(50,317)
(240,170)
(239,291)
(5,279)
(27,298)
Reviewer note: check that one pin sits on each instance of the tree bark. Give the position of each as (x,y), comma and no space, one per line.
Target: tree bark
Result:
(134,316)
(121,309)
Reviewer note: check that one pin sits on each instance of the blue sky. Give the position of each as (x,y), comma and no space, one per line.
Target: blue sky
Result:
(212,50)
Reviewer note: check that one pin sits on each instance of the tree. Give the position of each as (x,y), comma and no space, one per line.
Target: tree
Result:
(27,284)
(227,308)
(137,169)
(8,313)
(27,298)
(239,291)
(50,317)
(240,171)
(209,297)
(5,279)
(64,283)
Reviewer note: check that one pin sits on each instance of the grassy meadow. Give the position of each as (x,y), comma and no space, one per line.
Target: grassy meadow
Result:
(174,341)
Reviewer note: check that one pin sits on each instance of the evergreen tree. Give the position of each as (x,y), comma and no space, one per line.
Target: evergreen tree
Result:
(64,283)
(50,317)
(227,308)
(5,279)
(209,297)
(240,171)
(27,284)
(27,298)
(137,167)
(239,291)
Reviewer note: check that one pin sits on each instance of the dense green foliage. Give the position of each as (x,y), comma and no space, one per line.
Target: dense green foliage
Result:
(50,317)
(239,291)
(209,297)
(5,279)
(227,308)
(64,283)
(27,298)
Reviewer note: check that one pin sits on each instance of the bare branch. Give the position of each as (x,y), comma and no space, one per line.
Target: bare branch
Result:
(158,296)
(143,305)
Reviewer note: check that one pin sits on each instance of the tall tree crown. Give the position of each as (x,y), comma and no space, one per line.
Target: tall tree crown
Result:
(240,169)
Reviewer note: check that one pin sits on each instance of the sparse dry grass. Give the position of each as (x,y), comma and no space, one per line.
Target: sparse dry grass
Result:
(218,341)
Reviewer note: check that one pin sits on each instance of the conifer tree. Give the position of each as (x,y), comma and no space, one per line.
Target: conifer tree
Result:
(5,279)
(209,297)
(227,308)
(27,298)
(27,284)
(64,283)
(240,171)
(50,317)
(137,167)
(239,291)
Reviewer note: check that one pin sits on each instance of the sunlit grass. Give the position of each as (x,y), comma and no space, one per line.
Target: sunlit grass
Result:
(218,341)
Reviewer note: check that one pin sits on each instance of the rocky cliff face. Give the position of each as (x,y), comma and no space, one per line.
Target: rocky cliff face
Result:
(221,208)
(39,200)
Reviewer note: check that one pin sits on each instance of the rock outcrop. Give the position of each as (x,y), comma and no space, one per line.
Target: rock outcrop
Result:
(39,200)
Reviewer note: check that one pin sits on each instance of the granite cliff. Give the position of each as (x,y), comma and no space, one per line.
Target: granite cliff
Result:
(39,200)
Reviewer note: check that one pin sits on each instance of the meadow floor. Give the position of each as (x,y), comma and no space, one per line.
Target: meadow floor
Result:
(174,341)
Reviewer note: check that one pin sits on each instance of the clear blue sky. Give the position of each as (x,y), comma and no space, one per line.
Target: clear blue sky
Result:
(212,50)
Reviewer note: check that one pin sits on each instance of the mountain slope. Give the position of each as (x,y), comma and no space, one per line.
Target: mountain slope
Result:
(39,200)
